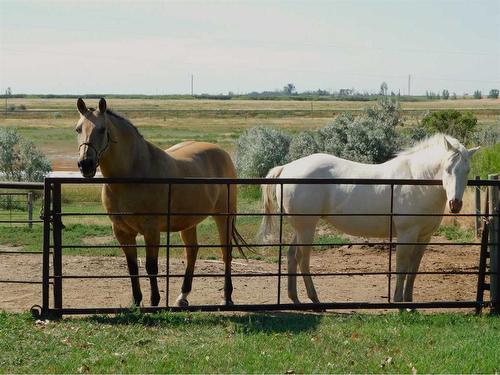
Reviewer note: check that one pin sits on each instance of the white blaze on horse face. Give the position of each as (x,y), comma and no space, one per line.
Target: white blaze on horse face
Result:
(455,172)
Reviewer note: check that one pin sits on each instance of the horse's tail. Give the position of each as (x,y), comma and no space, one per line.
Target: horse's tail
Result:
(267,227)
(239,241)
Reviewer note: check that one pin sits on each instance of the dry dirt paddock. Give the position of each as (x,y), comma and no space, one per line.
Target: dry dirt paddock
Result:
(255,290)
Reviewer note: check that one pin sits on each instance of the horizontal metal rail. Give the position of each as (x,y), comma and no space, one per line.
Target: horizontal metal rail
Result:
(62,214)
(20,282)
(21,185)
(20,221)
(258,181)
(332,244)
(277,307)
(19,252)
(273,274)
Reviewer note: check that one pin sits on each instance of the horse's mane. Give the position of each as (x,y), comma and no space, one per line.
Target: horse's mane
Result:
(123,119)
(430,142)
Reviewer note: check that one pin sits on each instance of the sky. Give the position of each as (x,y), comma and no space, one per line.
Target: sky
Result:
(154,47)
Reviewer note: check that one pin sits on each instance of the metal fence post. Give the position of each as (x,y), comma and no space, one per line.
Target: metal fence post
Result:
(46,249)
(57,255)
(30,209)
(390,245)
(167,255)
(477,219)
(494,247)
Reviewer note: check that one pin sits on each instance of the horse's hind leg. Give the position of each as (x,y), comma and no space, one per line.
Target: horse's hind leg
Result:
(292,269)
(152,246)
(190,239)
(306,236)
(225,229)
(126,239)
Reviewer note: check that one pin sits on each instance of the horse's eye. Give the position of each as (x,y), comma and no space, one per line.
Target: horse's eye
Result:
(78,129)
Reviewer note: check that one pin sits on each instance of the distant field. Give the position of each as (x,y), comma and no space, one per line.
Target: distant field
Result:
(166,122)
(166,104)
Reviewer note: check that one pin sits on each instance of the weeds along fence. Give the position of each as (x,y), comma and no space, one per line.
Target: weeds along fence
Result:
(53,246)
(17,200)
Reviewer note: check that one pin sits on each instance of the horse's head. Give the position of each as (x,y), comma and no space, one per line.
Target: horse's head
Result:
(93,136)
(456,167)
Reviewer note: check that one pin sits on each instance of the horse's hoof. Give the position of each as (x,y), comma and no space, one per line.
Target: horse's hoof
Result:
(182,302)
(408,310)
(227,302)
(155,300)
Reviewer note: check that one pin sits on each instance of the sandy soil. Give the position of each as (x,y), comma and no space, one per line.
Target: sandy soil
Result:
(208,290)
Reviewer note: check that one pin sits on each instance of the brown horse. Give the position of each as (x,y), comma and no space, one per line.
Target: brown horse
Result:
(110,141)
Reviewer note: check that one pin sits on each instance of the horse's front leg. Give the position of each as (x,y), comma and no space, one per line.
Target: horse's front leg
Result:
(128,242)
(405,259)
(152,246)
(417,255)
(189,238)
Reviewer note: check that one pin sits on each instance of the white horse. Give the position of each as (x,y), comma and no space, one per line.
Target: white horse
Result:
(439,157)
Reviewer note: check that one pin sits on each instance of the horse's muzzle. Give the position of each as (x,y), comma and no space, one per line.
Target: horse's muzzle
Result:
(87,167)
(455,205)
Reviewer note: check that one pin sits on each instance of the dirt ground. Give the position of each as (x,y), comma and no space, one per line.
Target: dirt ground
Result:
(208,290)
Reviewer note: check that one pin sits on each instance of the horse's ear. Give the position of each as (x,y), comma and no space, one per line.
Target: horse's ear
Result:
(473,150)
(448,145)
(102,105)
(82,108)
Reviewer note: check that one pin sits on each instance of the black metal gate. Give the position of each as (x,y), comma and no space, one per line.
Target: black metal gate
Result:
(53,245)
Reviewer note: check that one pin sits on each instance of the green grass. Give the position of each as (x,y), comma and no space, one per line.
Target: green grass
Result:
(252,343)
(486,161)
(455,233)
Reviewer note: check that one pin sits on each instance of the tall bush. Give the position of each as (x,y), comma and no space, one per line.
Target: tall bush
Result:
(303,144)
(20,160)
(369,138)
(260,149)
(457,124)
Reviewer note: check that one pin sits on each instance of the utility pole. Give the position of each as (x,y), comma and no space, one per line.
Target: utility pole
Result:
(8,93)
(192,91)
(409,84)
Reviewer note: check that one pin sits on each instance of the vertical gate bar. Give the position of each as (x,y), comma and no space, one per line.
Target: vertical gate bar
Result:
(229,249)
(30,209)
(57,236)
(167,257)
(281,241)
(390,246)
(496,307)
(477,200)
(46,248)
(494,249)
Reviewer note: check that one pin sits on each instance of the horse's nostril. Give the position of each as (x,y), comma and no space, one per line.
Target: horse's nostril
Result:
(455,205)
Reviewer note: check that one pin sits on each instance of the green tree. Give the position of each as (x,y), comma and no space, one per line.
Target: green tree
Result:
(457,124)
(383,89)
(289,89)
(445,95)
(477,94)
(20,160)
(493,94)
